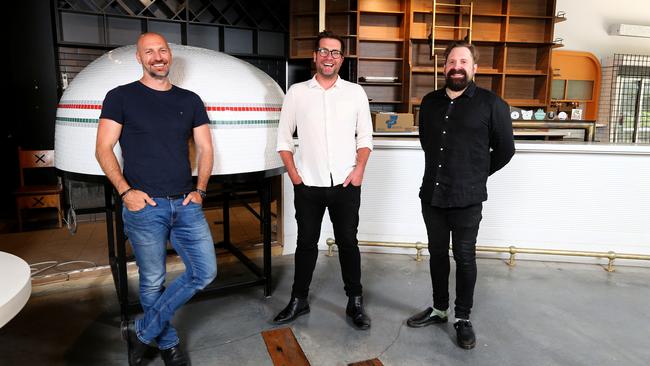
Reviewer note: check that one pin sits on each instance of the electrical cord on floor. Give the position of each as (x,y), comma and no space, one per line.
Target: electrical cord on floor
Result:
(40,267)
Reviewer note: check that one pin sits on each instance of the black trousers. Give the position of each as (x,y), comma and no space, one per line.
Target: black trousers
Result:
(463,224)
(343,205)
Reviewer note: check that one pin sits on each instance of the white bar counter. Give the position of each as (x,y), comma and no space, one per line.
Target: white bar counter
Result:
(552,195)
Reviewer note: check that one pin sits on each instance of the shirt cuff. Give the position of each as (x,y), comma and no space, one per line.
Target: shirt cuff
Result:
(361,145)
(285,147)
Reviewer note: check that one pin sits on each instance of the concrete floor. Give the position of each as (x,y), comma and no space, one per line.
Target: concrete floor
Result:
(538,313)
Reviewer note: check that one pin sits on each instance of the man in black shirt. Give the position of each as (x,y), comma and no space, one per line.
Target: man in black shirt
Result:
(153,121)
(466,135)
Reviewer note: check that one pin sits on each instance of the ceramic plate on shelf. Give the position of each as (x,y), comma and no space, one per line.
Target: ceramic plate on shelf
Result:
(562,116)
(514,114)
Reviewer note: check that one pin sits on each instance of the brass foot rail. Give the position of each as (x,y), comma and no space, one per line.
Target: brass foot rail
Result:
(512,250)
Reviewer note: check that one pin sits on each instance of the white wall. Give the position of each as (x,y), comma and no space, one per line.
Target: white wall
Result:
(588,22)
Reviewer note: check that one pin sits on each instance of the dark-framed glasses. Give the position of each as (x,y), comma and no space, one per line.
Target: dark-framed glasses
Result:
(324,52)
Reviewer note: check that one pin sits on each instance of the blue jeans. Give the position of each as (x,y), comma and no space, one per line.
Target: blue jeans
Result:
(149,230)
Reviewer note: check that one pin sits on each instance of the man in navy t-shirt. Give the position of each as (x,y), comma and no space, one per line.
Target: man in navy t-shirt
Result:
(153,120)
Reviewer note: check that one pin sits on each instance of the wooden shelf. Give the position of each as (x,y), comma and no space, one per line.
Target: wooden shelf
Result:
(342,12)
(378,84)
(385,101)
(531,16)
(423,69)
(304,13)
(387,12)
(365,58)
(494,15)
(526,102)
(371,39)
(526,72)
(488,71)
(571,100)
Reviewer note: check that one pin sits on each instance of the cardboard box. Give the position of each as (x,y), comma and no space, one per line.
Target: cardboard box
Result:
(392,122)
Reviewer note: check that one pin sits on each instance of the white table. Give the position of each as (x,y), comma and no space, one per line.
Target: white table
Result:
(15,286)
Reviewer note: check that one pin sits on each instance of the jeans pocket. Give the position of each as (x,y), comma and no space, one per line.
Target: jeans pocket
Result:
(136,211)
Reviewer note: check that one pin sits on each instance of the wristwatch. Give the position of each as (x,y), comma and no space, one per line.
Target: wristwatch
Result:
(202,193)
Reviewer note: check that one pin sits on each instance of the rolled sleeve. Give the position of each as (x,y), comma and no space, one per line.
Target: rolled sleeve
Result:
(364,122)
(287,124)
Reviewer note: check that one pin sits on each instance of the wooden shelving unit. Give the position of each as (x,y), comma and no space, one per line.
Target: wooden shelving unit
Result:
(391,38)
(514,40)
(381,51)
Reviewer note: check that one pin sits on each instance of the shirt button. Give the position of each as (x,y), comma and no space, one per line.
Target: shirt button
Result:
(452,102)
(442,148)
(446,117)
(439,165)
(437,183)
(444,132)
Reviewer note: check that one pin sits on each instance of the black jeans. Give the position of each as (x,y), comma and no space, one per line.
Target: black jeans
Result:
(343,205)
(463,223)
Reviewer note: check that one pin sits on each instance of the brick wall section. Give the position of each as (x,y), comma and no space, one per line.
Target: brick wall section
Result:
(72,60)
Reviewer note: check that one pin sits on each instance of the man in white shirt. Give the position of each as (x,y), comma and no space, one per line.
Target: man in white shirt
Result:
(332,117)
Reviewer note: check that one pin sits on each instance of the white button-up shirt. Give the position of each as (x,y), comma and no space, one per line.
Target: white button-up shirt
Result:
(332,125)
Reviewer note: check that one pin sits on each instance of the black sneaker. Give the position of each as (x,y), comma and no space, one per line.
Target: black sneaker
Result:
(465,334)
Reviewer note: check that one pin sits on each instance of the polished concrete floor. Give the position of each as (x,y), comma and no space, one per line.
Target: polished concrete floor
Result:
(41,242)
(537,313)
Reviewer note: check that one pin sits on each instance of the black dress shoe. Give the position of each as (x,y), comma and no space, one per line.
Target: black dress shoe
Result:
(175,356)
(465,334)
(355,312)
(136,348)
(424,318)
(296,308)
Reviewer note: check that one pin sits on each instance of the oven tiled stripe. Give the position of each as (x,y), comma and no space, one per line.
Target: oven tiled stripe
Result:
(223,107)
(92,122)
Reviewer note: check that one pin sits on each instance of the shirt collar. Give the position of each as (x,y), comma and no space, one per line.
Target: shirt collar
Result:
(471,88)
(313,83)
(469,91)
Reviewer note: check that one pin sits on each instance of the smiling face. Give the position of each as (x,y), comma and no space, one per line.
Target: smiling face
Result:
(154,55)
(459,68)
(327,66)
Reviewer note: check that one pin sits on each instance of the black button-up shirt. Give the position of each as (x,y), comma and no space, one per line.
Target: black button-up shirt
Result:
(464,141)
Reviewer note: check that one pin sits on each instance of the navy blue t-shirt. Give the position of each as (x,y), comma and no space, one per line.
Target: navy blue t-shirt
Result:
(156,127)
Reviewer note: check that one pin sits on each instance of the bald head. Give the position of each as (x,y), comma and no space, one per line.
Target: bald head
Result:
(150,38)
(154,54)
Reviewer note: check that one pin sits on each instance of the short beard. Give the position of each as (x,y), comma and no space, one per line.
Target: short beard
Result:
(456,84)
(158,76)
